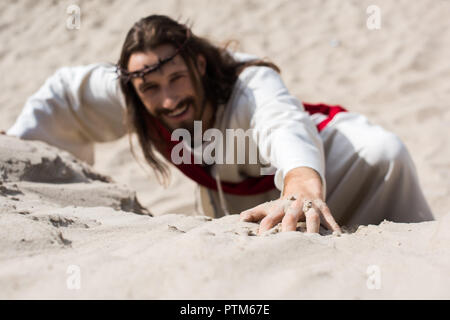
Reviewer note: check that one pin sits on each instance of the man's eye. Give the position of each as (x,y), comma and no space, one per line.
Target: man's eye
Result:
(149,88)
(176,78)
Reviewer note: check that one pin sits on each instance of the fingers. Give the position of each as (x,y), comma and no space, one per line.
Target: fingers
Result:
(275,215)
(312,220)
(293,215)
(289,213)
(254,214)
(326,216)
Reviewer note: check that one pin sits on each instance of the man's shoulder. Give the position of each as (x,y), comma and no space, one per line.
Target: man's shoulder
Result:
(248,90)
(252,75)
(253,86)
(242,56)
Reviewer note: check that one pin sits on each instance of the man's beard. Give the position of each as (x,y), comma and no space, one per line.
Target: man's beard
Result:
(191,102)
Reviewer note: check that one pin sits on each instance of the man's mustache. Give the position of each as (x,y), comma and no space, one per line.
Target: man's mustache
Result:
(181,104)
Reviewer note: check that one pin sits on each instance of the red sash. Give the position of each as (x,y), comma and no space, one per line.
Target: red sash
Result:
(251,185)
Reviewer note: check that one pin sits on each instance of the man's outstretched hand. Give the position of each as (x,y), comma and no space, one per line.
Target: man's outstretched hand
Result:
(289,213)
(302,186)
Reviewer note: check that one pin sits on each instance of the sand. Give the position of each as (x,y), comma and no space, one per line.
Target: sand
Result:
(130,238)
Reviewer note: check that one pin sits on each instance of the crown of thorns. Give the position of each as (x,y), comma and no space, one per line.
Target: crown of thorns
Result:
(128,76)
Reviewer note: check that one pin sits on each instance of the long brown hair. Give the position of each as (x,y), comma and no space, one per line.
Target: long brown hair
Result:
(222,71)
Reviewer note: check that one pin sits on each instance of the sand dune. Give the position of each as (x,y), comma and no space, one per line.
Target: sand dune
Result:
(123,252)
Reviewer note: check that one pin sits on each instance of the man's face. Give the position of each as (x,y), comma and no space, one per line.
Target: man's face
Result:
(167,93)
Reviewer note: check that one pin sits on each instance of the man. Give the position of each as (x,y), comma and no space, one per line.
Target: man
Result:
(330,166)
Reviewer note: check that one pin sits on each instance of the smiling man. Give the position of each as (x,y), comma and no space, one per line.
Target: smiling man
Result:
(167,92)
(320,163)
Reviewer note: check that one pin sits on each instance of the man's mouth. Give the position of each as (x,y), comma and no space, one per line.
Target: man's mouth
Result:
(179,111)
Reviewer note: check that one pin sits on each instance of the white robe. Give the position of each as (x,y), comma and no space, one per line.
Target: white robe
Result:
(366,171)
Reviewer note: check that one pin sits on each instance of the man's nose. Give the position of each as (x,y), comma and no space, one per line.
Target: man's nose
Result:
(169,99)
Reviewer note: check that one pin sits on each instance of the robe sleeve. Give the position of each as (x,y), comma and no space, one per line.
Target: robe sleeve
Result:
(286,136)
(75,107)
